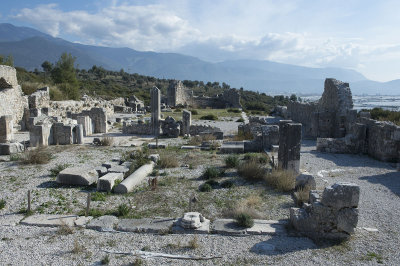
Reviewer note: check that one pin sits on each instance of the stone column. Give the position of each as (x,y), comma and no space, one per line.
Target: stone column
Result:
(289,146)
(186,122)
(78,134)
(39,135)
(6,128)
(155,110)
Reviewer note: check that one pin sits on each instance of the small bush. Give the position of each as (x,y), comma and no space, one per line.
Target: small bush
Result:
(98,196)
(209,117)
(105,260)
(40,155)
(251,170)
(2,204)
(64,229)
(123,210)
(211,172)
(258,157)
(282,180)
(178,110)
(240,120)
(227,184)
(232,161)
(205,188)
(244,220)
(302,195)
(194,112)
(212,183)
(234,110)
(57,169)
(78,248)
(168,161)
(106,141)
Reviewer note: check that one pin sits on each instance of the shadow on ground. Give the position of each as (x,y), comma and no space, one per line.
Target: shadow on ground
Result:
(389,180)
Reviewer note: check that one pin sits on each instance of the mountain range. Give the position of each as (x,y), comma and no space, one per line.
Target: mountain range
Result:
(30,48)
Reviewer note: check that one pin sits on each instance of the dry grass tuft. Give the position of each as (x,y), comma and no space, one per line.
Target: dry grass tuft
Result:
(302,195)
(64,229)
(40,155)
(168,160)
(107,141)
(251,170)
(78,248)
(194,243)
(245,207)
(282,180)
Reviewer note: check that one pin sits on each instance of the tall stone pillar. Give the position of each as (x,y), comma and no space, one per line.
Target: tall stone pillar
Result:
(186,122)
(6,128)
(155,110)
(289,146)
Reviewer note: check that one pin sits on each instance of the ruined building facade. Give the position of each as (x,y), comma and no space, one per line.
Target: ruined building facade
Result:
(177,94)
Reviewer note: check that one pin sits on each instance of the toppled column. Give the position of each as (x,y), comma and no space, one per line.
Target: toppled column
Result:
(155,110)
(289,146)
(134,179)
(335,216)
(6,128)
(186,122)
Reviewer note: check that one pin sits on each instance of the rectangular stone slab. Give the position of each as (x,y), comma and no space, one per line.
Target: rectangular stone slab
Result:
(146,225)
(47,220)
(266,227)
(107,181)
(81,176)
(227,227)
(105,223)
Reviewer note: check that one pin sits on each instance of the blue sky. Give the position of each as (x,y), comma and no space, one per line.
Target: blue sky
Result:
(361,35)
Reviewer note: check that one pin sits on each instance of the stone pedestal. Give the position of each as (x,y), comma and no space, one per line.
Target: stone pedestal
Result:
(186,122)
(289,146)
(6,128)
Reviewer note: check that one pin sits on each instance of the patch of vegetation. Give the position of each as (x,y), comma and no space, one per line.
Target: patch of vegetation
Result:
(234,110)
(205,188)
(251,170)
(232,161)
(40,155)
(244,220)
(105,260)
(106,141)
(372,255)
(194,112)
(98,196)
(214,184)
(227,184)
(123,210)
(168,160)
(77,248)
(302,195)
(240,120)
(209,117)
(2,204)
(261,158)
(64,229)
(385,115)
(243,136)
(57,169)
(282,180)
(211,172)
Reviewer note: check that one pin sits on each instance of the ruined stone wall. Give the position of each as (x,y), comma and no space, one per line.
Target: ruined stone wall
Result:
(40,98)
(177,94)
(60,108)
(136,129)
(232,98)
(304,113)
(12,101)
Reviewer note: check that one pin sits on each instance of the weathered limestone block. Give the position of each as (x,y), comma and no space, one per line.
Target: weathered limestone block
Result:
(170,127)
(11,148)
(118,169)
(347,220)
(81,176)
(341,195)
(78,134)
(305,180)
(270,136)
(107,181)
(6,128)
(86,122)
(192,220)
(40,135)
(63,134)
(289,146)
(186,122)
(134,179)
(104,223)
(40,98)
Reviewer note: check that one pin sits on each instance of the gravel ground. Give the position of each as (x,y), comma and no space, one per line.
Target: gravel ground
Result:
(379,201)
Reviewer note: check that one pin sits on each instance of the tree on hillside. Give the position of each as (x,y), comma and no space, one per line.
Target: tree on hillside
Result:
(64,74)
(64,70)
(47,67)
(8,60)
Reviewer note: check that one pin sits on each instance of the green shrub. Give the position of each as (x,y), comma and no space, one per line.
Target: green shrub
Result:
(282,180)
(211,172)
(2,204)
(40,155)
(205,188)
(227,184)
(212,183)
(123,210)
(195,112)
(244,220)
(234,110)
(168,160)
(209,117)
(98,196)
(240,120)
(105,260)
(261,158)
(57,169)
(251,170)
(232,161)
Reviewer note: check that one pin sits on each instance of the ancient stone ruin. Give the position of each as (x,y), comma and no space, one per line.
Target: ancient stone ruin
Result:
(334,215)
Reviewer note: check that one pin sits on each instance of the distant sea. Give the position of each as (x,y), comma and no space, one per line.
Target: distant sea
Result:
(368,102)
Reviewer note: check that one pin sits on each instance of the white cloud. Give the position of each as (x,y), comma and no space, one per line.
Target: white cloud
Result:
(149,27)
